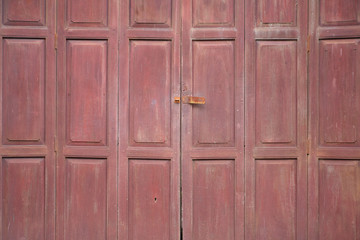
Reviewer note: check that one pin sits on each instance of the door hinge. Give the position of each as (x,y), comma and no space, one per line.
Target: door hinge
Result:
(55,144)
(308,43)
(55,41)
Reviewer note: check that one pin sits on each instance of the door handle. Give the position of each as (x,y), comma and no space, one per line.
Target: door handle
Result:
(190,100)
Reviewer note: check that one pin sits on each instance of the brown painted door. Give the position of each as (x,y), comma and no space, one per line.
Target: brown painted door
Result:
(87,120)
(149,150)
(276,124)
(27,120)
(212,135)
(334,166)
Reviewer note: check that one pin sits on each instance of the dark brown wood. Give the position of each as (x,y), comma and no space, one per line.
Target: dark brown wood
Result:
(276,124)
(334,192)
(27,115)
(149,120)
(213,133)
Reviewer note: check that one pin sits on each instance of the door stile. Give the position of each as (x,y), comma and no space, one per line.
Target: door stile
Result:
(276,120)
(149,120)
(212,134)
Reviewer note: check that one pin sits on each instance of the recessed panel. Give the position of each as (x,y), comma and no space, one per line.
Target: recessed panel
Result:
(85,201)
(23,198)
(150,12)
(150,82)
(86,92)
(213,13)
(339,199)
(339,12)
(275,199)
(23,12)
(23,87)
(149,199)
(214,79)
(339,93)
(275,101)
(213,215)
(276,11)
(87,12)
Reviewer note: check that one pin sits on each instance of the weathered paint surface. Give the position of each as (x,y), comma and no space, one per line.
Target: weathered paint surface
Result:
(87,109)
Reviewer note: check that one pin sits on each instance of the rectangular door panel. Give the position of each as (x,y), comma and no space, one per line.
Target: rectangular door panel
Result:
(339,199)
(151,12)
(87,13)
(86,88)
(279,12)
(24,12)
(275,107)
(213,79)
(338,119)
(23,198)
(149,199)
(275,199)
(150,79)
(23,91)
(213,199)
(86,199)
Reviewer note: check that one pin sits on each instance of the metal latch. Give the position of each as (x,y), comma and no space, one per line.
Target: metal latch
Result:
(190,100)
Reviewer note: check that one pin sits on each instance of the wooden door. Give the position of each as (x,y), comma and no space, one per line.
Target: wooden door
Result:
(213,134)
(27,120)
(276,124)
(334,166)
(149,121)
(87,119)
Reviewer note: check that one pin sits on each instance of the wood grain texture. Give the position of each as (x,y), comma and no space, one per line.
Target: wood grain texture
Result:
(213,79)
(151,12)
(275,106)
(87,13)
(213,13)
(87,92)
(24,12)
(86,199)
(23,103)
(213,200)
(149,199)
(150,81)
(23,198)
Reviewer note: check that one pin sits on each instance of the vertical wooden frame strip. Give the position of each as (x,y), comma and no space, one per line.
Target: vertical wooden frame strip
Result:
(95,158)
(273,151)
(139,150)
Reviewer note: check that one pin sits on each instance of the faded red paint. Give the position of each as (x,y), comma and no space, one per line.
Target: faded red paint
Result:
(267,131)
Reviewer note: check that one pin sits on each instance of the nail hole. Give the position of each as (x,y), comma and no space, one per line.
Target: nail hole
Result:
(155,199)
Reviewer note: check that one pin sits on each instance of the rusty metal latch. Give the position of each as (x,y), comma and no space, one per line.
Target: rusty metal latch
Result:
(190,100)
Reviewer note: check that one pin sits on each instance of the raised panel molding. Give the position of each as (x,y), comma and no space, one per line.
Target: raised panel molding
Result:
(150,65)
(278,12)
(24,12)
(23,83)
(151,12)
(86,92)
(214,79)
(23,198)
(149,199)
(275,100)
(339,91)
(87,13)
(213,13)
(339,12)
